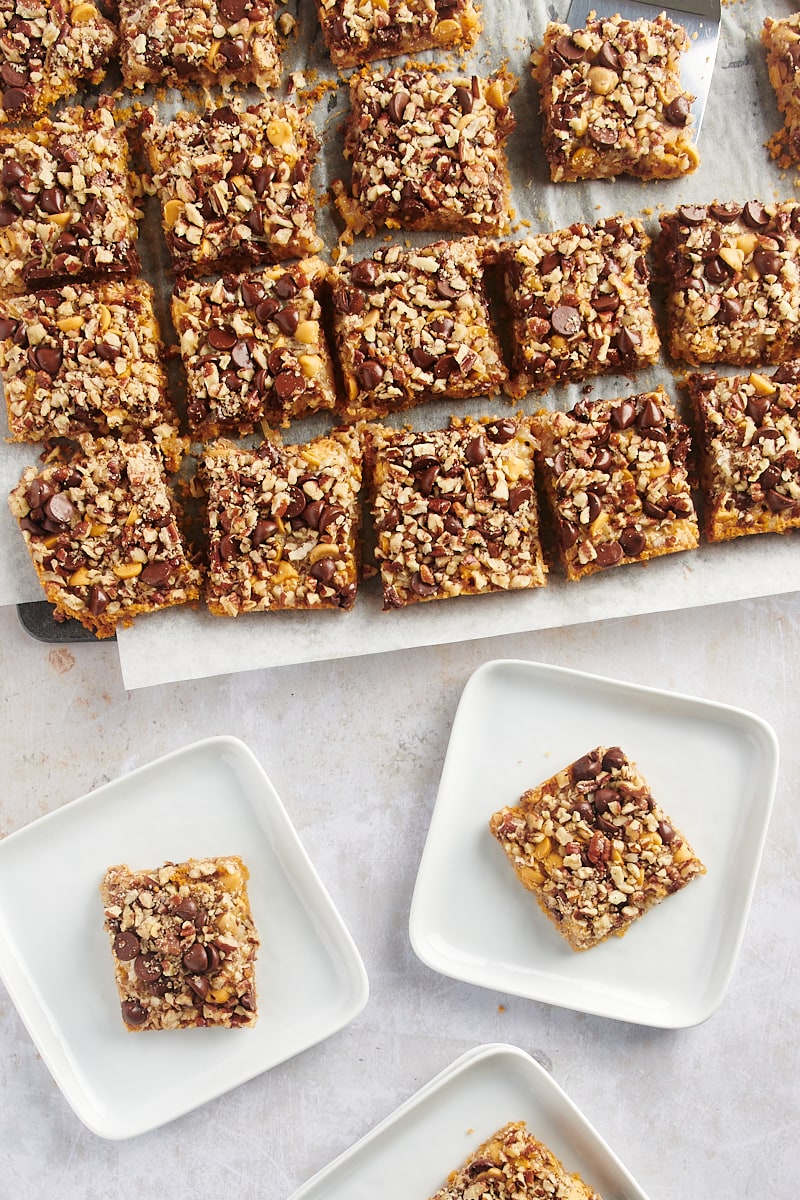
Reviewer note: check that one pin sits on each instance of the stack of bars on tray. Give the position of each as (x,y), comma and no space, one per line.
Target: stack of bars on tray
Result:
(270,332)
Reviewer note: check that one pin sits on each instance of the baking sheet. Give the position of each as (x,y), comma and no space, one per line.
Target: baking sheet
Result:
(740,117)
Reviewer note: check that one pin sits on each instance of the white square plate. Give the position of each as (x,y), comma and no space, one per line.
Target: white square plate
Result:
(711,767)
(211,798)
(410,1154)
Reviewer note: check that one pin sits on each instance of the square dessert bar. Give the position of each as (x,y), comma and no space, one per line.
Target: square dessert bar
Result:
(86,359)
(427,152)
(184,944)
(748,444)
(283,525)
(514,1165)
(615,482)
(595,847)
(254,348)
(612,102)
(454,510)
(781,37)
(579,303)
(732,274)
(102,533)
(211,42)
(359,33)
(234,187)
(67,208)
(411,326)
(46,50)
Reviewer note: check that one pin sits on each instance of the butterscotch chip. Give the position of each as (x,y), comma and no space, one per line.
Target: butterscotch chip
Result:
(211,42)
(184,944)
(615,482)
(454,510)
(234,187)
(748,446)
(579,303)
(595,847)
(46,51)
(732,273)
(412,326)
(357,33)
(86,359)
(514,1165)
(427,152)
(101,530)
(612,102)
(68,213)
(254,348)
(781,37)
(283,525)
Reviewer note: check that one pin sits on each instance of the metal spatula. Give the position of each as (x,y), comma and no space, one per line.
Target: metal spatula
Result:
(700,19)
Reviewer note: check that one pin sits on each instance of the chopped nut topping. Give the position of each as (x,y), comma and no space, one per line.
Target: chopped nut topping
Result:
(358,31)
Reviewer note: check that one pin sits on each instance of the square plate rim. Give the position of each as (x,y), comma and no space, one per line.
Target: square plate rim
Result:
(417,924)
(466,1062)
(20,981)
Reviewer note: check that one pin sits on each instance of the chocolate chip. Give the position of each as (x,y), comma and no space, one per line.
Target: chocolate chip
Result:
(613,759)
(608,56)
(692,214)
(263,177)
(770,477)
(475,451)
(221,337)
(287,319)
(632,541)
(677,111)
(421,587)
(757,408)
(297,501)
(568,534)
(730,310)
(253,292)
(234,10)
(195,959)
(286,286)
(776,502)
(98,600)
(397,106)
(755,215)
(288,384)
(501,431)
(725,213)
(588,767)
(323,570)
(656,512)
(626,341)
(199,985)
(442,327)
(650,415)
(133,1013)
(551,262)
(445,366)
(15,100)
(422,359)
(364,273)
(609,554)
(349,300)
(666,832)
(185,907)
(446,290)
(8,329)
(602,460)
(234,51)
(624,415)
(427,478)
(126,946)
(602,136)
(147,968)
(46,358)
(519,496)
(156,572)
(605,302)
(566,320)
(767,262)
(59,508)
(568,49)
(369,374)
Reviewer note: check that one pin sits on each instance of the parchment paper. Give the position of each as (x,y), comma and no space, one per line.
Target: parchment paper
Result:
(741,115)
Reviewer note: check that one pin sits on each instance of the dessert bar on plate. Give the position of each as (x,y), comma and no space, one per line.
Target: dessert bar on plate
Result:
(46,51)
(615,481)
(356,34)
(234,184)
(68,213)
(513,1165)
(732,279)
(170,43)
(579,303)
(183,944)
(713,768)
(747,441)
(283,524)
(595,847)
(101,529)
(454,510)
(254,348)
(612,102)
(414,325)
(427,151)
(87,359)
(186,806)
